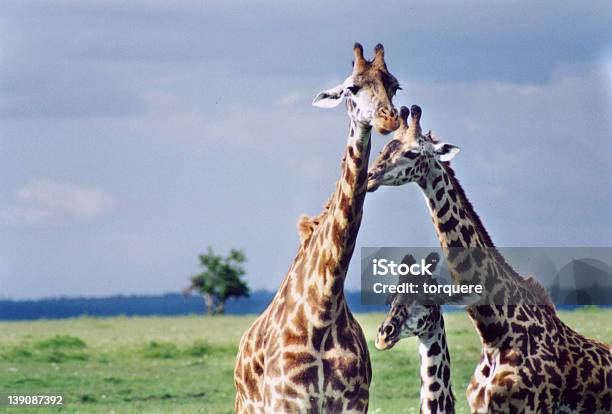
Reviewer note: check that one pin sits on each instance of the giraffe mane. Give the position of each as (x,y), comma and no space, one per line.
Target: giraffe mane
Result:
(538,290)
(480,228)
(307,225)
(530,284)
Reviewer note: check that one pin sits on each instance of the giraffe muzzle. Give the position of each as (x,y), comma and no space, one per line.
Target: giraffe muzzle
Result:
(386,121)
(385,338)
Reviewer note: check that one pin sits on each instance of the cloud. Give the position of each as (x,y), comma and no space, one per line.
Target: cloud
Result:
(43,201)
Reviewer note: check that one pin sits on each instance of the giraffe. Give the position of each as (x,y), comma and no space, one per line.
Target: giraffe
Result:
(408,317)
(306,352)
(530,361)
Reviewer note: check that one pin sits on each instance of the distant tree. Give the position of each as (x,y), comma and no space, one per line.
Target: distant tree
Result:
(220,280)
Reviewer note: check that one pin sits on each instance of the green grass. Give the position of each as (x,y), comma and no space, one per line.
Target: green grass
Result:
(159,365)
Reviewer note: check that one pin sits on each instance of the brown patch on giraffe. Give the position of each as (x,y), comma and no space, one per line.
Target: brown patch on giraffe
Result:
(480,397)
(307,377)
(286,406)
(333,405)
(510,357)
(295,359)
(337,234)
(503,379)
(344,205)
(252,386)
(291,337)
(287,391)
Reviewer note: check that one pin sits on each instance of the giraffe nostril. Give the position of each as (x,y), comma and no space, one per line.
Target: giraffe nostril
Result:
(387,113)
(389,330)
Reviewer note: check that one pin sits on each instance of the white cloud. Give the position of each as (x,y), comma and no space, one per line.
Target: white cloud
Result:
(44,201)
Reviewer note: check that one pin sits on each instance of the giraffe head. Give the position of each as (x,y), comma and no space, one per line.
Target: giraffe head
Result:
(410,156)
(408,316)
(418,316)
(368,91)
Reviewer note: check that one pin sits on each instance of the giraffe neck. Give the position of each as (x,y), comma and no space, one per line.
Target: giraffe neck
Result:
(458,226)
(455,221)
(436,392)
(322,263)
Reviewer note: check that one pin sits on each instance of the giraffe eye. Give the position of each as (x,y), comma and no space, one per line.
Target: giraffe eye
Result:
(354,89)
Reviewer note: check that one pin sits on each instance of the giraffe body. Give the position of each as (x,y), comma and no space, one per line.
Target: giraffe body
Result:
(531,361)
(306,353)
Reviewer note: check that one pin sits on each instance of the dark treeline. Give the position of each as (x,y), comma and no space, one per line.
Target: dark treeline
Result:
(171,304)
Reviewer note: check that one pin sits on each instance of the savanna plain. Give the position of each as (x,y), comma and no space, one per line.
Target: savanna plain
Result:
(185,364)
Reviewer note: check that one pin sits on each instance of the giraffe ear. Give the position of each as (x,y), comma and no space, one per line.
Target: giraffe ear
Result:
(445,152)
(330,98)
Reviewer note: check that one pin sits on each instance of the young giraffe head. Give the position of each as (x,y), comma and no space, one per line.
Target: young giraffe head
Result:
(408,316)
(368,91)
(410,155)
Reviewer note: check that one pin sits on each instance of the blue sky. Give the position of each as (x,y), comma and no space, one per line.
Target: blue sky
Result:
(135,134)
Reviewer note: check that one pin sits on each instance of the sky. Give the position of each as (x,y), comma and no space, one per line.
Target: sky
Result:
(135,134)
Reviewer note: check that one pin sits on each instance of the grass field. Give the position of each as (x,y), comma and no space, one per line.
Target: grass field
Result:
(184,364)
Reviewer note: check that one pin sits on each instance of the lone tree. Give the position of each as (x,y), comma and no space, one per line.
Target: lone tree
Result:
(220,280)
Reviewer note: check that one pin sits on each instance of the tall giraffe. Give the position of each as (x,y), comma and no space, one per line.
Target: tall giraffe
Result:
(531,361)
(306,352)
(409,317)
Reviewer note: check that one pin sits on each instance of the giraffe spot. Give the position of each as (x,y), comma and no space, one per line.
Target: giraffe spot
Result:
(510,357)
(257,368)
(464,266)
(286,406)
(435,182)
(252,388)
(291,337)
(411,154)
(480,397)
(448,225)
(441,404)
(446,376)
(287,391)
(433,406)
(332,405)
(450,402)
(466,232)
(443,210)
(295,359)
(317,336)
(434,350)
(307,377)
(337,234)
(435,386)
